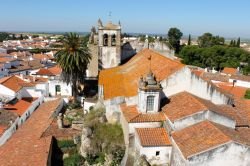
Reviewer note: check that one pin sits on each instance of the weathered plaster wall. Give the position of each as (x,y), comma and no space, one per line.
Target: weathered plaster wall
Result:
(142,101)
(184,80)
(201,116)
(8,133)
(108,57)
(150,153)
(223,120)
(230,154)
(6,93)
(189,120)
(132,126)
(177,159)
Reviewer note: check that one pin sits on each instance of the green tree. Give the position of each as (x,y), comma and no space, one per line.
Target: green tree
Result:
(174,37)
(13,37)
(208,40)
(21,37)
(73,59)
(142,38)
(3,36)
(238,43)
(151,39)
(189,40)
(247,94)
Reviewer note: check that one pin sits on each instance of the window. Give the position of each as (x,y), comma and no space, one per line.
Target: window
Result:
(150,103)
(157,153)
(105,40)
(113,40)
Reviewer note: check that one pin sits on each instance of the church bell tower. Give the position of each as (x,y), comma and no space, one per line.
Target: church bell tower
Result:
(109,45)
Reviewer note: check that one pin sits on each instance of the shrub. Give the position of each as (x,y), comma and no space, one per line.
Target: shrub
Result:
(73,160)
(65,143)
(74,105)
(247,94)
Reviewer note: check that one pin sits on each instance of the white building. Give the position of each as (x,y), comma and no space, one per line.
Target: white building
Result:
(178,100)
(19,99)
(154,144)
(56,87)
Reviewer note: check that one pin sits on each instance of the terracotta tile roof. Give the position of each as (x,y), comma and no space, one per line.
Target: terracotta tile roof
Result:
(181,105)
(241,77)
(19,68)
(20,106)
(42,56)
(215,76)
(2,129)
(26,146)
(199,138)
(228,70)
(123,80)
(153,137)
(198,72)
(34,79)
(185,104)
(236,91)
(243,106)
(6,60)
(56,70)
(53,71)
(132,115)
(14,83)
(34,64)
(44,72)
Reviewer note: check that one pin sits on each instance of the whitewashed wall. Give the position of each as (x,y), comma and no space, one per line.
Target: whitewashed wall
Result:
(150,153)
(66,90)
(44,87)
(6,93)
(184,80)
(30,92)
(132,126)
(230,154)
(241,83)
(30,110)
(8,133)
(199,117)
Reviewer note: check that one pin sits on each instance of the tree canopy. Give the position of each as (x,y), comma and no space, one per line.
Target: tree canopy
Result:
(73,59)
(216,56)
(174,36)
(208,40)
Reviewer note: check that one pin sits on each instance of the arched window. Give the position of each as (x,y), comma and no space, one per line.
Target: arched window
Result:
(150,103)
(105,40)
(113,40)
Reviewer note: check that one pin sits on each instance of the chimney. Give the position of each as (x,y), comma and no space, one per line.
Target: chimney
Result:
(21,75)
(234,82)
(34,79)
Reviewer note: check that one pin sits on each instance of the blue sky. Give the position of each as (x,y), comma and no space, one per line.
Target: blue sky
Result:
(229,18)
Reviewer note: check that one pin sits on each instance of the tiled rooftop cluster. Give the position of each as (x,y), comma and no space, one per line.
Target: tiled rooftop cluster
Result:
(27,146)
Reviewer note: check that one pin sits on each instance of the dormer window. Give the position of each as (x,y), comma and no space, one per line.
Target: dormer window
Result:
(150,103)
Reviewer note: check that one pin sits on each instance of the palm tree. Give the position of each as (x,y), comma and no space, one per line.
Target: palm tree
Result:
(73,58)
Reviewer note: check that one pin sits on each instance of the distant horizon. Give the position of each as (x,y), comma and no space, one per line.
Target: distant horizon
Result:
(131,33)
(227,18)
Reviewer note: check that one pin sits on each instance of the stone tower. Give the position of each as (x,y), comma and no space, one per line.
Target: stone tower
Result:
(109,45)
(149,92)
